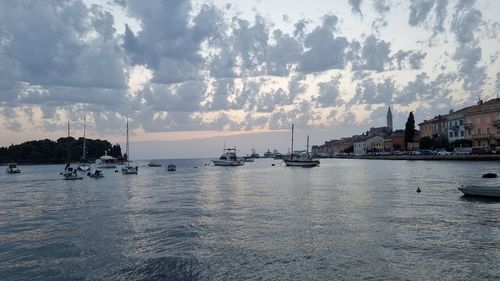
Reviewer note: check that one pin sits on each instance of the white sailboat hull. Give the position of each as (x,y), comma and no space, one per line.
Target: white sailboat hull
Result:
(477,190)
(301,163)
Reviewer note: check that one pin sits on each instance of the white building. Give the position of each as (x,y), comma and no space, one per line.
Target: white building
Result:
(373,144)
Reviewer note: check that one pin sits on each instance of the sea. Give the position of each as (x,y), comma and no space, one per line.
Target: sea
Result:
(347,219)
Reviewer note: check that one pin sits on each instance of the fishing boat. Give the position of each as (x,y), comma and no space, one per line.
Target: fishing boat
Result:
(171,168)
(12,169)
(128,168)
(69,172)
(302,160)
(481,190)
(84,163)
(228,158)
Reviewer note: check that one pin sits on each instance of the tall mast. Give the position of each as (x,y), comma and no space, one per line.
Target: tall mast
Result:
(307,149)
(69,146)
(291,153)
(127,148)
(84,148)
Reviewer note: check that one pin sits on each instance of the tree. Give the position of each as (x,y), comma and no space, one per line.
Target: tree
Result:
(410,129)
(426,143)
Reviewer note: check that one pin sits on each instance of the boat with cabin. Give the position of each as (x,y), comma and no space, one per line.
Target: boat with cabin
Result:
(12,169)
(228,158)
(106,161)
(154,163)
(171,168)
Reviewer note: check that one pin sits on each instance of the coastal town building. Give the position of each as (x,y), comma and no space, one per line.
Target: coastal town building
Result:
(371,145)
(482,124)
(425,129)
(456,121)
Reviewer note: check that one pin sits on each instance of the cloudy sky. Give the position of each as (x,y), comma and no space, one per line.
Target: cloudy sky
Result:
(190,75)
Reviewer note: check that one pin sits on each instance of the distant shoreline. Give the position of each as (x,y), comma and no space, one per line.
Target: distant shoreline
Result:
(427,157)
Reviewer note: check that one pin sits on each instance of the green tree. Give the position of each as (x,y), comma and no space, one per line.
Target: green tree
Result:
(410,129)
(426,143)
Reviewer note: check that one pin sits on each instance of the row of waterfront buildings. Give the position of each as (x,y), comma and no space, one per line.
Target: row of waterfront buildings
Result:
(477,125)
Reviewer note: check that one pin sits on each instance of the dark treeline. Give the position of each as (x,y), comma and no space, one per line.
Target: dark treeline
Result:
(48,151)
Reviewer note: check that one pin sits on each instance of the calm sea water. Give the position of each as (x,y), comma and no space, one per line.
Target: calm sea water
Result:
(344,220)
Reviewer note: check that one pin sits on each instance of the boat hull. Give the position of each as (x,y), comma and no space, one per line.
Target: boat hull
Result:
(106,166)
(476,190)
(227,163)
(296,163)
(84,167)
(9,171)
(129,170)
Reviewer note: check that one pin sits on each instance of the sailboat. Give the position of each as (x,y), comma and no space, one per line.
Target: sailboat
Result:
(69,172)
(303,160)
(84,163)
(128,169)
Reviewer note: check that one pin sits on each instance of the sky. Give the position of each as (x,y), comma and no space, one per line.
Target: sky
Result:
(193,76)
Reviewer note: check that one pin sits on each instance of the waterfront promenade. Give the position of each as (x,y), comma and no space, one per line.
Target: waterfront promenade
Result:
(427,157)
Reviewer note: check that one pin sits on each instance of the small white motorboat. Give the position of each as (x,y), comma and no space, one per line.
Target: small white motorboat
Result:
(12,169)
(481,190)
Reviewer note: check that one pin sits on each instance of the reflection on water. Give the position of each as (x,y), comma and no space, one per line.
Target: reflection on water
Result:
(348,219)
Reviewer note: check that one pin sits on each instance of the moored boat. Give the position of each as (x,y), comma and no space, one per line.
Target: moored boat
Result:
(303,160)
(154,163)
(70,173)
(106,161)
(84,163)
(12,169)
(481,190)
(129,169)
(228,158)
(96,174)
